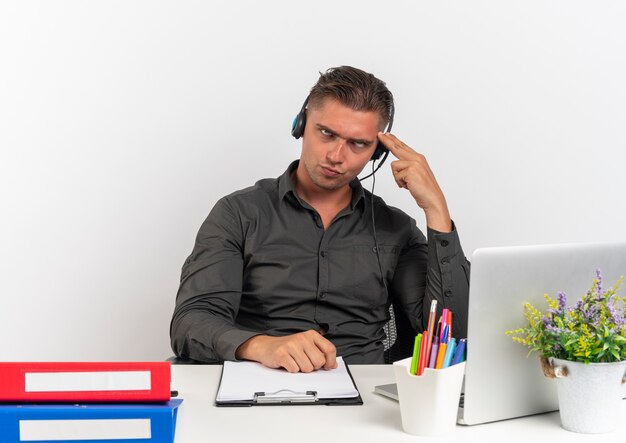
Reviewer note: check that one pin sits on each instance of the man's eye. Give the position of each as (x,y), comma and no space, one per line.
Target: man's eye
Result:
(326,133)
(360,145)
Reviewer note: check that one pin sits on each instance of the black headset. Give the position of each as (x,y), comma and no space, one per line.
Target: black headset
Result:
(297,130)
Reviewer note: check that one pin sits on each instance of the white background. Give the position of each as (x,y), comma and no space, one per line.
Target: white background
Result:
(122,122)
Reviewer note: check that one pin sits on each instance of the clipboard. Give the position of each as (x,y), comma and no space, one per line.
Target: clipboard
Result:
(246,383)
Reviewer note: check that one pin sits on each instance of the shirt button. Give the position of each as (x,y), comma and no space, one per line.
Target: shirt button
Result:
(323,253)
(322,295)
(444,243)
(445,261)
(447,293)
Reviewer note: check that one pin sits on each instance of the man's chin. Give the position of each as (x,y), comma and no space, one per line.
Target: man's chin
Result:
(331,184)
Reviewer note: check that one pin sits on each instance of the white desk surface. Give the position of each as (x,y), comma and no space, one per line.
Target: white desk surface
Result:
(377,420)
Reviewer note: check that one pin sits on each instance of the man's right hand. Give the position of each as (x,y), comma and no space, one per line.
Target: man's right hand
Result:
(301,352)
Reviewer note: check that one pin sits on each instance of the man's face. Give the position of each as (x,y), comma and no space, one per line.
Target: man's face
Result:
(337,144)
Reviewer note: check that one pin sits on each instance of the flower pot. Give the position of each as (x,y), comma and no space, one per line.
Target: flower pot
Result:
(589,395)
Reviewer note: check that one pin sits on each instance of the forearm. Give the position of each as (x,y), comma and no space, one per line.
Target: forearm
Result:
(447,278)
(205,337)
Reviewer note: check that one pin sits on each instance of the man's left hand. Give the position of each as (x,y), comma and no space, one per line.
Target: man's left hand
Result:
(411,171)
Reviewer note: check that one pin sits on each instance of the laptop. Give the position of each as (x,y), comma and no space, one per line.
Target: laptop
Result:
(501,380)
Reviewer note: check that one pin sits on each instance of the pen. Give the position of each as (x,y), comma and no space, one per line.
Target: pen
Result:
(449,323)
(444,321)
(446,337)
(449,353)
(440,355)
(431,327)
(438,328)
(416,353)
(422,359)
(459,354)
(433,352)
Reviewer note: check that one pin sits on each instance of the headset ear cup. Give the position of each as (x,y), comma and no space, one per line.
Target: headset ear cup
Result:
(379,151)
(297,128)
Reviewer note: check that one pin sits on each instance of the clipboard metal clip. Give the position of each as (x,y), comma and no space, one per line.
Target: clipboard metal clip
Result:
(285,396)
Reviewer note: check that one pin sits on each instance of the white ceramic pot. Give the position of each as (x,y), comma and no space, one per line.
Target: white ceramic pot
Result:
(429,403)
(590,395)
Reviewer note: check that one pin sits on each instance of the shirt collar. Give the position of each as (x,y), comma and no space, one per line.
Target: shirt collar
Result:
(286,185)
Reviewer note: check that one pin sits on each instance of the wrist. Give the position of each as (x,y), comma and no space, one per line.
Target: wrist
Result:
(247,350)
(439,220)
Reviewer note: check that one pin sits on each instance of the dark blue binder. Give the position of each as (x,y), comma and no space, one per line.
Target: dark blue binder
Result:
(82,423)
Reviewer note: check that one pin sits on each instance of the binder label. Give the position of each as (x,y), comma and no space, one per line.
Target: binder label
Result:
(87,381)
(68,430)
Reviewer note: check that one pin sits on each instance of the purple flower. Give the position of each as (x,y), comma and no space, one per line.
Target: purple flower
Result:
(562,296)
(596,322)
(556,347)
(617,318)
(599,284)
(552,329)
(591,314)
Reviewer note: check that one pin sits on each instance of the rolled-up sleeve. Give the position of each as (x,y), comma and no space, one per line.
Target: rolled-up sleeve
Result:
(203,324)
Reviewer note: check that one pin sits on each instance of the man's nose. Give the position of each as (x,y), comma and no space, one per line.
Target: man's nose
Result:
(336,153)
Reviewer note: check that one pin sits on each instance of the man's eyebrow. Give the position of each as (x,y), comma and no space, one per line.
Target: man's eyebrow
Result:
(353,140)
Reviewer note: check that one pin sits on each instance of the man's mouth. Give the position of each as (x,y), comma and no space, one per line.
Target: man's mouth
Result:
(330,172)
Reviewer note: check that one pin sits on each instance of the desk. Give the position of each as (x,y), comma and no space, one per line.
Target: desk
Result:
(378,420)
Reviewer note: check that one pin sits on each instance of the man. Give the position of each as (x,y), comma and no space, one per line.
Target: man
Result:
(294,271)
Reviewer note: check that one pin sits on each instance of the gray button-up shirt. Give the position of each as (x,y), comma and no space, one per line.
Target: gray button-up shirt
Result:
(263,264)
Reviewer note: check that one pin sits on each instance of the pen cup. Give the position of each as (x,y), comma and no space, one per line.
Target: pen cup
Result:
(429,403)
